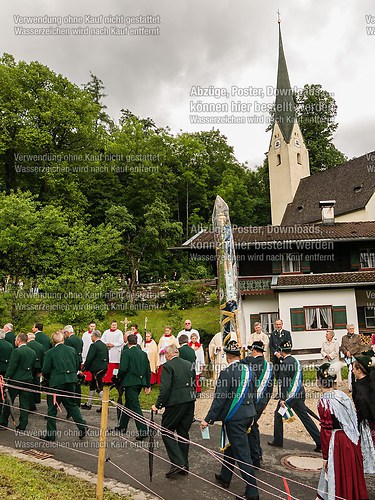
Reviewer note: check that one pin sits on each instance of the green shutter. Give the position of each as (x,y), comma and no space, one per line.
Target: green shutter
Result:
(354,260)
(276,265)
(305,265)
(253,319)
(297,319)
(339,317)
(361,317)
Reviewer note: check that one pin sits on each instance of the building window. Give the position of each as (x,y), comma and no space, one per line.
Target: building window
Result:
(299,159)
(291,263)
(368,258)
(268,321)
(318,318)
(278,160)
(370,317)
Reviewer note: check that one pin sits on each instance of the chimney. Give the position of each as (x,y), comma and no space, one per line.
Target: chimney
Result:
(328,212)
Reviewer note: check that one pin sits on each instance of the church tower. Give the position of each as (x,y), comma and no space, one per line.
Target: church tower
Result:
(288,158)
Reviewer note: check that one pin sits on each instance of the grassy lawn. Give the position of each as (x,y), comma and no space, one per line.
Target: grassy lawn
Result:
(206,318)
(146,401)
(23,480)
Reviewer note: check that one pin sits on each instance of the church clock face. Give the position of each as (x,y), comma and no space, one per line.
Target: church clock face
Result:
(297,143)
(277,143)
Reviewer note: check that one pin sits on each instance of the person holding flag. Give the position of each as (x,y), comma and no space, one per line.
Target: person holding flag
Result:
(292,398)
(234,406)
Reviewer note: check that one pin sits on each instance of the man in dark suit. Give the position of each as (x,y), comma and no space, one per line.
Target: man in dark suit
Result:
(40,336)
(263,374)
(37,371)
(73,341)
(60,368)
(9,335)
(5,352)
(278,336)
(134,375)
(234,406)
(177,396)
(19,373)
(97,364)
(186,352)
(292,395)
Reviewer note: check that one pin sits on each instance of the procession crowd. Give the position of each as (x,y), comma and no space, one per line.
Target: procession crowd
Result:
(245,382)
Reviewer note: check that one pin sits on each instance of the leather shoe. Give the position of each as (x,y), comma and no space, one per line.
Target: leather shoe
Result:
(99,410)
(220,480)
(256,463)
(85,406)
(244,497)
(141,438)
(272,443)
(46,438)
(82,433)
(318,449)
(174,470)
(119,429)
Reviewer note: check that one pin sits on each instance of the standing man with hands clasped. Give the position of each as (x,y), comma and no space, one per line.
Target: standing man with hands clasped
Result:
(278,336)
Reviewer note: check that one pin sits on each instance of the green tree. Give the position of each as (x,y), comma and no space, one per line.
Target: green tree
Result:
(316,111)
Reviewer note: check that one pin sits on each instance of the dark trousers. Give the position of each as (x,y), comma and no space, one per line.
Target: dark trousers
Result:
(24,397)
(35,397)
(178,418)
(299,408)
(132,403)
(69,404)
(254,436)
(239,450)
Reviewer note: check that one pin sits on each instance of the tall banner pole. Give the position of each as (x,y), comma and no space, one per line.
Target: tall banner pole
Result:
(228,285)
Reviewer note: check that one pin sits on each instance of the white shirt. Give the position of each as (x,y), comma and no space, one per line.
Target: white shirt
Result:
(117,339)
(86,339)
(188,333)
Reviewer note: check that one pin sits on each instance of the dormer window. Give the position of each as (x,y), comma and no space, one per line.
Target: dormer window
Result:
(367,258)
(291,263)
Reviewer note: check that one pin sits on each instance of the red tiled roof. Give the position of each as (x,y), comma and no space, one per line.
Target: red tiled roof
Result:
(352,278)
(249,236)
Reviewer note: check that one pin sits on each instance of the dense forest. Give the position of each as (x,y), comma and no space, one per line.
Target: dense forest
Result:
(90,204)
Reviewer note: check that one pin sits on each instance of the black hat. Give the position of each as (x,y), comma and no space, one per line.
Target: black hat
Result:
(258,345)
(286,346)
(365,362)
(233,348)
(325,371)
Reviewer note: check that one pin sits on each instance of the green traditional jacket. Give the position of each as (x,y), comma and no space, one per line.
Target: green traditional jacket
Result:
(60,365)
(177,384)
(11,338)
(97,357)
(43,339)
(134,368)
(5,353)
(39,351)
(76,343)
(21,364)
(186,352)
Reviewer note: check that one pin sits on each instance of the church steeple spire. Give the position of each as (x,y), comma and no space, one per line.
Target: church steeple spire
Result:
(285,113)
(288,158)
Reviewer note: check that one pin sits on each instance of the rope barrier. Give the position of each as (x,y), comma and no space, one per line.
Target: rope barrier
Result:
(163,431)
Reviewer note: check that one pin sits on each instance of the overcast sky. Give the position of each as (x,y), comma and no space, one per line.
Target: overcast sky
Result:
(222,43)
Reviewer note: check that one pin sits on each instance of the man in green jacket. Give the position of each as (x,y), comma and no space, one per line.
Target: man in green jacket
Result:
(177,395)
(97,364)
(73,341)
(37,371)
(20,374)
(40,336)
(5,352)
(9,335)
(134,374)
(60,368)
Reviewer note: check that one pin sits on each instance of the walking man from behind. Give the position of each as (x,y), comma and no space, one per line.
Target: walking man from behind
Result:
(177,396)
